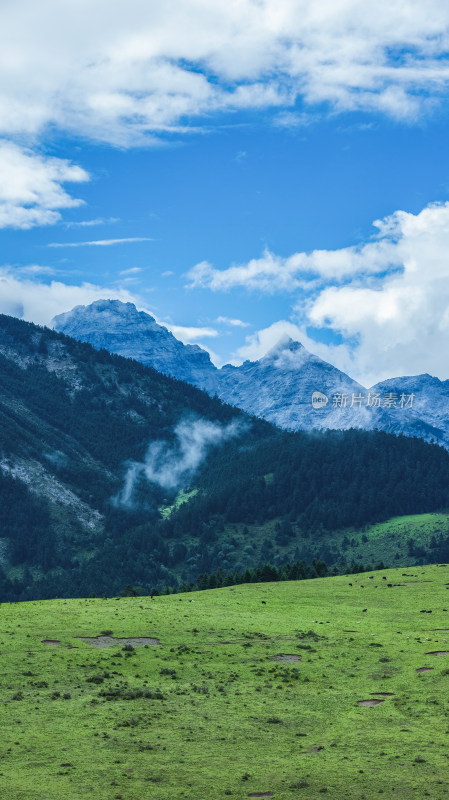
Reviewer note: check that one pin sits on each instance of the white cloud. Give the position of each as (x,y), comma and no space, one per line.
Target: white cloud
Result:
(261,342)
(273,273)
(89,223)
(40,302)
(189,334)
(131,271)
(235,323)
(101,242)
(143,67)
(401,322)
(23,297)
(35,269)
(292,120)
(31,191)
(389,299)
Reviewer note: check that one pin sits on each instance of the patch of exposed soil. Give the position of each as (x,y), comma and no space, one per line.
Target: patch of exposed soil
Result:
(261,794)
(290,658)
(110,641)
(351,631)
(432,630)
(411,582)
(317,749)
(438,653)
(51,642)
(383,694)
(369,702)
(424,669)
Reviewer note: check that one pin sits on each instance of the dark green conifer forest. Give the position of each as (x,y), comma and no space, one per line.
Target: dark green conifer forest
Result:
(72,420)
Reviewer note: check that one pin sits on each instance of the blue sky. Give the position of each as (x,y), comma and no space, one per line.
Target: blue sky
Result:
(222,166)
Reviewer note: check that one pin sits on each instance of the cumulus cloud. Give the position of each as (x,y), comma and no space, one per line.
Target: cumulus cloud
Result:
(31,187)
(34,301)
(387,299)
(272,273)
(39,302)
(261,342)
(142,67)
(402,321)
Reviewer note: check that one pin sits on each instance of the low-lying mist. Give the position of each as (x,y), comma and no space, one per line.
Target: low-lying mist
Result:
(172,465)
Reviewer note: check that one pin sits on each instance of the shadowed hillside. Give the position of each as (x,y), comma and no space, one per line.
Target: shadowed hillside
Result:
(112,474)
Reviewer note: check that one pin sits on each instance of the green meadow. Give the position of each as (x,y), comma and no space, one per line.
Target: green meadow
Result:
(401,540)
(251,690)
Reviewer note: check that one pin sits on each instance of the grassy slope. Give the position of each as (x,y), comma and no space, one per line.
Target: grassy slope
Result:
(182,497)
(386,541)
(233,721)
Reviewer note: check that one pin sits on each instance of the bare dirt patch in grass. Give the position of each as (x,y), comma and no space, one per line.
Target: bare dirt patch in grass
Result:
(51,642)
(383,694)
(369,702)
(110,641)
(438,653)
(261,794)
(290,658)
(424,669)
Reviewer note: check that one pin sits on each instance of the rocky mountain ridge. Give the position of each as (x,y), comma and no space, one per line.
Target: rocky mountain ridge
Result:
(289,386)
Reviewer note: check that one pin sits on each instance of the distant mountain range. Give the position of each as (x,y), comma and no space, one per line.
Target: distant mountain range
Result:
(289,386)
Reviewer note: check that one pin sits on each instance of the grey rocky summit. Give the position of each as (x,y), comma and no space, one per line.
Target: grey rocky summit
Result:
(279,387)
(121,328)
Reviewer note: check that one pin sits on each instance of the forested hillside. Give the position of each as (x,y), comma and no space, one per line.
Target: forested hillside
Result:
(330,480)
(71,419)
(112,474)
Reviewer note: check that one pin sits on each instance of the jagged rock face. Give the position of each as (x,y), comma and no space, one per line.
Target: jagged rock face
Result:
(120,328)
(429,416)
(280,387)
